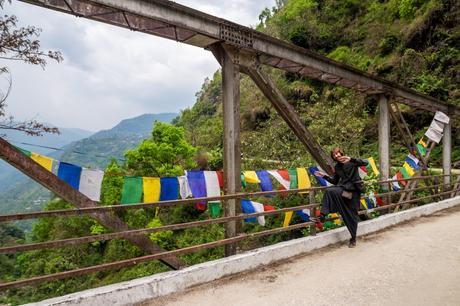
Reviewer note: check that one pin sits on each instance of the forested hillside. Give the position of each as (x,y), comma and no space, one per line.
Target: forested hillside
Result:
(413,42)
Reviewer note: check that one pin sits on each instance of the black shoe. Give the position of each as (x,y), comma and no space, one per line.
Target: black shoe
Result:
(352,243)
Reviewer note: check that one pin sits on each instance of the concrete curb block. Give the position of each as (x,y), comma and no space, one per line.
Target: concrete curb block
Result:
(146,288)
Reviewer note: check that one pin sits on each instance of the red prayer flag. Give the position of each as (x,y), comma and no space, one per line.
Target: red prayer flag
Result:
(400,178)
(284,174)
(200,206)
(269,208)
(220,177)
(379,200)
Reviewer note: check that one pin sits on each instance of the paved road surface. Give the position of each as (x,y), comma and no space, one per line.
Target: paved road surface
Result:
(417,263)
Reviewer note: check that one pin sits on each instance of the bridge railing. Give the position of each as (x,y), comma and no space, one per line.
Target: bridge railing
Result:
(311,196)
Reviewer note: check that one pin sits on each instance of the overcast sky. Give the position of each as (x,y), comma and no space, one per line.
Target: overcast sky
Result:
(109,73)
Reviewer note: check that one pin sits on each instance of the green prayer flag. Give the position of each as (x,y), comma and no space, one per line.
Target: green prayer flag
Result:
(214,209)
(132,190)
(24,151)
(404,173)
(293,178)
(421,149)
(243,180)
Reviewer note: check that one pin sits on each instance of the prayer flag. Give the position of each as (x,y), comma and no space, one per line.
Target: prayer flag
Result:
(247,208)
(304,214)
(132,190)
(362,171)
(421,149)
(212,190)
(287,218)
(90,183)
(251,177)
(214,209)
(421,142)
(441,117)
(337,221)
(396,186)
(293,178)
(369,202)
(363,203)
(220,177)
(303,179)
(169,188)
(70,174)
(259,207)
(404,172)
(184,188)
(43,161)
(269,207)
(437,126)
(400,178)
(321,181)
(243,180)
(212,184)
(433,135)
(412,163)
(373,166)
(24,151)
(409,169)
(413,158)
(265,181)
(197,185)
(152,189)
(378,200)
(280,176)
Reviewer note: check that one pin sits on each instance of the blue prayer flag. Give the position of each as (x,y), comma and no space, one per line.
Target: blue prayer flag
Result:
(265,181)
(169,188)
(248,208)
(412,163)
(70,174)
(304,214)
(369,202)
(321,181)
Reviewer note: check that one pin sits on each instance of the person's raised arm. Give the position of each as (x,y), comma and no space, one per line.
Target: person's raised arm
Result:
(359,162)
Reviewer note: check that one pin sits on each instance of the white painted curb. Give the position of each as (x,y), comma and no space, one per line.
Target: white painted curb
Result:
(147,288)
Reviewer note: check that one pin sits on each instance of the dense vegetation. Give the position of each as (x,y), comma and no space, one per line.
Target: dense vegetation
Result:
(413,42)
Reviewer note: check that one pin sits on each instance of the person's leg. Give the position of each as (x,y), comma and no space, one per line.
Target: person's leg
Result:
(330,200)
(349,213)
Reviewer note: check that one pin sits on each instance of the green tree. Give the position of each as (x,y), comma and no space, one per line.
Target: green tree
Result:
(166,153)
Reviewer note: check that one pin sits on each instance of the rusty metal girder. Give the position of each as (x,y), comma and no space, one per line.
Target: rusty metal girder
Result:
(50,181)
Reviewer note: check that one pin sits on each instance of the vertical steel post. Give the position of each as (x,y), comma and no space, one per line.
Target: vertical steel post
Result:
(384,139)
(447,155)
(232,152)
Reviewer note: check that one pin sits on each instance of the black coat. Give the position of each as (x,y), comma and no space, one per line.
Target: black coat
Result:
(347,174)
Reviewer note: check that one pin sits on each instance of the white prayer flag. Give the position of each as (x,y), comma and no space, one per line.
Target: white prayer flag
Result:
(90,183)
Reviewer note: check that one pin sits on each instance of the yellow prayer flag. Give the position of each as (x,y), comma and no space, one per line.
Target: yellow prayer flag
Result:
(287,218)
(251,177)
(336,221)
(373,165)
(303,180)
(409,169)
(364,204)
(44,161)
(151,188)
(422,142)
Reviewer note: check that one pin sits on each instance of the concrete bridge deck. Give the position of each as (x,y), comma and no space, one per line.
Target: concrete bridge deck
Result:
(417,263)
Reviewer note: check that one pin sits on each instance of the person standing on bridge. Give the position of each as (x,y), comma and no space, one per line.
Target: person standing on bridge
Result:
(344,198)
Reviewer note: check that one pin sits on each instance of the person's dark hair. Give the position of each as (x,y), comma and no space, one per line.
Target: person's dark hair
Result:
(335,150)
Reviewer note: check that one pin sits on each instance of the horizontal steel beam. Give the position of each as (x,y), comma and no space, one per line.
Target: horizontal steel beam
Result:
(177,22)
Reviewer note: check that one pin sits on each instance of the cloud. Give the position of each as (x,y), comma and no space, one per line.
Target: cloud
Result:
(110,73)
